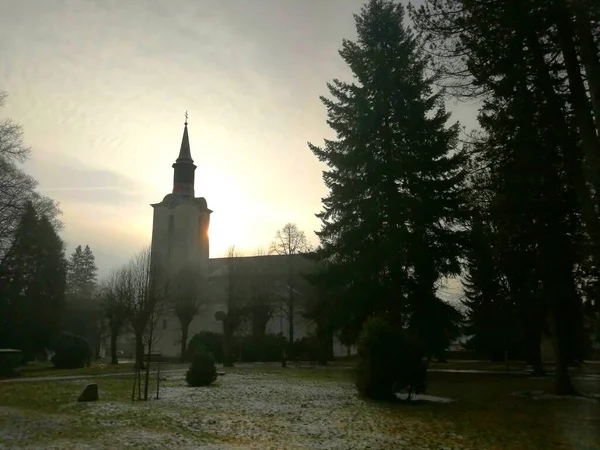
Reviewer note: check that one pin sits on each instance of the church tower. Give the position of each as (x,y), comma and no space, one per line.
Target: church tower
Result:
(181,220)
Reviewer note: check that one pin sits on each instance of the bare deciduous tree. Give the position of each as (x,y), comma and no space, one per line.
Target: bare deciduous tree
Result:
(236,295)
(289,241)
(16,187)
(188,294)
(142,293)
(113,310)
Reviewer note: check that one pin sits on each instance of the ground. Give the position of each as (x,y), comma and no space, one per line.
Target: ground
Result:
(262,406)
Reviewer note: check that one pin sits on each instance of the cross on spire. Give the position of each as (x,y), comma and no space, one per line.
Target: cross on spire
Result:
(186,116)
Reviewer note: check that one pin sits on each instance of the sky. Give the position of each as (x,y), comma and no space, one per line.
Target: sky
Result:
(101,87)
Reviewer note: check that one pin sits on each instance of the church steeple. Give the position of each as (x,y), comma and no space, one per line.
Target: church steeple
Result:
(183,175)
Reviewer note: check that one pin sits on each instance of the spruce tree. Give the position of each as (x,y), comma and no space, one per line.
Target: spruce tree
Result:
(32,285)
(390,224)
(509,52)
(83,311)
(17,273)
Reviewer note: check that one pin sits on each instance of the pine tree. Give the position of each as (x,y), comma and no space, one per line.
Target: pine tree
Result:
(390,220)
(83,312)
(508,51)
(82,272)
(16,274)
(32,285)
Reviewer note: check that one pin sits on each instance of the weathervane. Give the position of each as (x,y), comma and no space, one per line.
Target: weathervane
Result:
(186,117)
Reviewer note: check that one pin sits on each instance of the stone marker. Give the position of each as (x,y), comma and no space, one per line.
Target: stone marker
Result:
(89,394)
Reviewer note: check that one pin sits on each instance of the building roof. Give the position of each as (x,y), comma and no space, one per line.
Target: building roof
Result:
(260,265)
(185,154)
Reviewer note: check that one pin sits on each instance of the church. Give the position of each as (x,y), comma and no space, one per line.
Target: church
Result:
(180,239)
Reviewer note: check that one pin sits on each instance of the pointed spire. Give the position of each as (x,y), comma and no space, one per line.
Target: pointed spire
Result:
(183,175)
(184,152)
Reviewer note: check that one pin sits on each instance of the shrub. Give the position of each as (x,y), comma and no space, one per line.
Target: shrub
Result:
(71,352)
(306,349)
(10,360)
(202,371)
(206,341)
(265,348)
(388,361)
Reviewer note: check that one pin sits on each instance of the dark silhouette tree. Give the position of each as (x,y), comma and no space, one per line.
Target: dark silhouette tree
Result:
(188,296)
(83,315)
(32,285)
(17,188)
(391,224)
(290,241)
(519,57)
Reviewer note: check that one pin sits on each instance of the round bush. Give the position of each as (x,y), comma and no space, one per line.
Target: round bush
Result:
(71,352)
(206,341)
(389,360)
(202,370)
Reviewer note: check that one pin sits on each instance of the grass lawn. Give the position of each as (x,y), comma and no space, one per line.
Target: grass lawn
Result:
(297,408)
(46,369)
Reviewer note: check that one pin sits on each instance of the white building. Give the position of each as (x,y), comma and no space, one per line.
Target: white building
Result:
(180,239)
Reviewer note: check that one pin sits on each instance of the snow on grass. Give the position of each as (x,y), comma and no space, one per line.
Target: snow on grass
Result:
(242,410)
(542,395)
(426,398)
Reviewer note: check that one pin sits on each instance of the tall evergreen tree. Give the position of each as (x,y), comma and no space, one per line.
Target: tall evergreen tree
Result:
(508,51)
(82,272)
(32,285)
(390,225)
(83,312)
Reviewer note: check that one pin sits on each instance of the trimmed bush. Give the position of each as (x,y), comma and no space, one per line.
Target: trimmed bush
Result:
(206,341)
(71,352)
(389,361)
(266,348)
(202,371)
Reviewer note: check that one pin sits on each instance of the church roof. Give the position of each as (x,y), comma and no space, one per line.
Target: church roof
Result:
(184,152)
(261,265)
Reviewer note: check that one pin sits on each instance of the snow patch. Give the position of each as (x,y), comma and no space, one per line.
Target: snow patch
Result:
(426,398)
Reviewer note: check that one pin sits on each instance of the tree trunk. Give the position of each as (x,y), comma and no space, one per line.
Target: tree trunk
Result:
(114,334)
(291,328)
(98,343)
(579,100)
(562,378)
(185,329)
(322,343)
(139,351)
(536,357)
(558,280)
(589,57)
(227,343)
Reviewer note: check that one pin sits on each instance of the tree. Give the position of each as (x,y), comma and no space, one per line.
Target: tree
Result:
(391,224)
(16,187)
(142,292)
(83,313)
(290,241)
(189,295)
(521,58)
(236,302)
(32,285)
(113,309)
(318,308)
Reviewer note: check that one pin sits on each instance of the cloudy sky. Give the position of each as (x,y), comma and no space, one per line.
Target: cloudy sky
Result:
(101,87)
